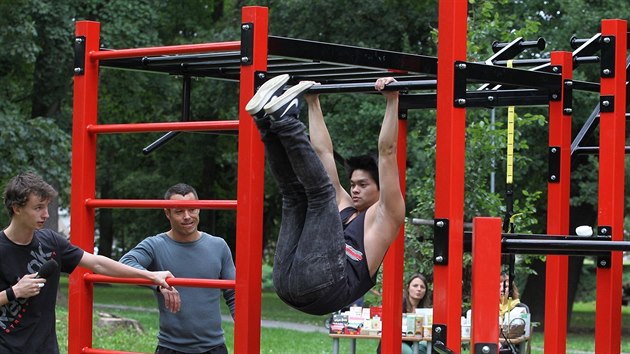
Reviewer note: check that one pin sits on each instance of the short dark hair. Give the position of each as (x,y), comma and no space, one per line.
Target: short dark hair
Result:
(180,189)
(368,163)
(19,189)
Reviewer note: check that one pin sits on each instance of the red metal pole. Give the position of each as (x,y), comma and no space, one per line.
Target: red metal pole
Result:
(249,213)
(105,351)
(393,265)
(174,49)
(161,127)
(486,275)
(612,133)
(449,173)
(558,214)
(83,187)
(158,204)
(190,282)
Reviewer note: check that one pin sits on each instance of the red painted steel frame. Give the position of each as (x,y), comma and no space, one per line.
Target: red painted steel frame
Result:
(250,188)
(161,127)
(486,272)
(174,49)
(158,204)
(558,217)
(83,187)
(611,193)
(449,162)
(190,282)
(250,197)
(393,265)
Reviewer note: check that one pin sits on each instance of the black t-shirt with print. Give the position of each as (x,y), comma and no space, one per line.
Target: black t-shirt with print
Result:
(27,326)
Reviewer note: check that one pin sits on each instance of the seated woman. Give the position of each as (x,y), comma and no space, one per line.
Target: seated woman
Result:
(415,295)
(508,302)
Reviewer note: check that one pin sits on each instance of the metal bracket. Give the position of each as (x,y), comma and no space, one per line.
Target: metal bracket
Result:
(486,348)
(260,77)
(438,334)
(604,233)
(554,164)
(79,55)
(607,45)
(440,241)
(459,84)
(402,114)
(606,103)
(567,100)
(247,43)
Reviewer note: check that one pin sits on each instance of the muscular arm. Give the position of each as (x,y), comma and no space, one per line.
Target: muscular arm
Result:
(391,202)
(322,143)
(383,219)
(106,266)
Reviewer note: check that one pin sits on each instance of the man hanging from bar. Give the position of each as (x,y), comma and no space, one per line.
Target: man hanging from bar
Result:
(331,243)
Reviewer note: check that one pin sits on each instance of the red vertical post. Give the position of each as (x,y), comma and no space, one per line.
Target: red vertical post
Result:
(83,184)
(611,196)
(449,162)
(486,275)
(393,265)
(251,170)
(558,187)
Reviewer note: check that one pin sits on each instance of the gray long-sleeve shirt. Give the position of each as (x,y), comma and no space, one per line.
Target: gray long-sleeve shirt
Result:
(197,326)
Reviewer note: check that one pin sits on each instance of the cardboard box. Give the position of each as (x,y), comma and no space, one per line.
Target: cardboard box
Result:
(376,311)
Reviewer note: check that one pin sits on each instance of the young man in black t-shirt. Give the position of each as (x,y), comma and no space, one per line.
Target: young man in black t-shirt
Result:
(27,302)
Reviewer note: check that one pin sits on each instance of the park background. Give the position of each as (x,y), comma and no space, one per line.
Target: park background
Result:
(36,114)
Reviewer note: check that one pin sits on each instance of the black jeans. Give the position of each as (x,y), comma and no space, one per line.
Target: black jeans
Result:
(310,254)
(219,349)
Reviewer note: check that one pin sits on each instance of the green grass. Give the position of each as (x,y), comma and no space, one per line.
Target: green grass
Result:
(581,336)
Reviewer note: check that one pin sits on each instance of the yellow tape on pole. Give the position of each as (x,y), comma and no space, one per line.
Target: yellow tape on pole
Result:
(510,140)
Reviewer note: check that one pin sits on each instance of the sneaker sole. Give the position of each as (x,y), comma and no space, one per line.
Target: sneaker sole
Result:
(263,95)
(288,95)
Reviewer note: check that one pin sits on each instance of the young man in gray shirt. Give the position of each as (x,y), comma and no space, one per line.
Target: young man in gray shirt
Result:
(190,318)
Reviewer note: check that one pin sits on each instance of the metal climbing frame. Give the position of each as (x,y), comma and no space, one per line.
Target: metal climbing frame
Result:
(341,68)
(249,62)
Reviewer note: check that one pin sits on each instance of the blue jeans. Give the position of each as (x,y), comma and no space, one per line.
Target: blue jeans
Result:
(310,253)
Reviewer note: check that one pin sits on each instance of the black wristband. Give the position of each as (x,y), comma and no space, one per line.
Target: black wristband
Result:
(10,294)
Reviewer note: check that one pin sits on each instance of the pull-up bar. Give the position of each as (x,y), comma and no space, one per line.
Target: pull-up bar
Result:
(511,244)
(540,43)
(369,86)
(544,244)
(591,59)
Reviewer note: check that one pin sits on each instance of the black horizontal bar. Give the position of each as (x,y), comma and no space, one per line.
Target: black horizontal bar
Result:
(514,244)
(191,58)
(369,86)
(592,150)
(540,43)
(585,86)
(577,42)
(337,53)
(486,98)
(529,62)
(504,98)
(510,76)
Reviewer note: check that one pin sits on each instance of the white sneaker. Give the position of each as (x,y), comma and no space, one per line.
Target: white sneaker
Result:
(272,88)
(289,102)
